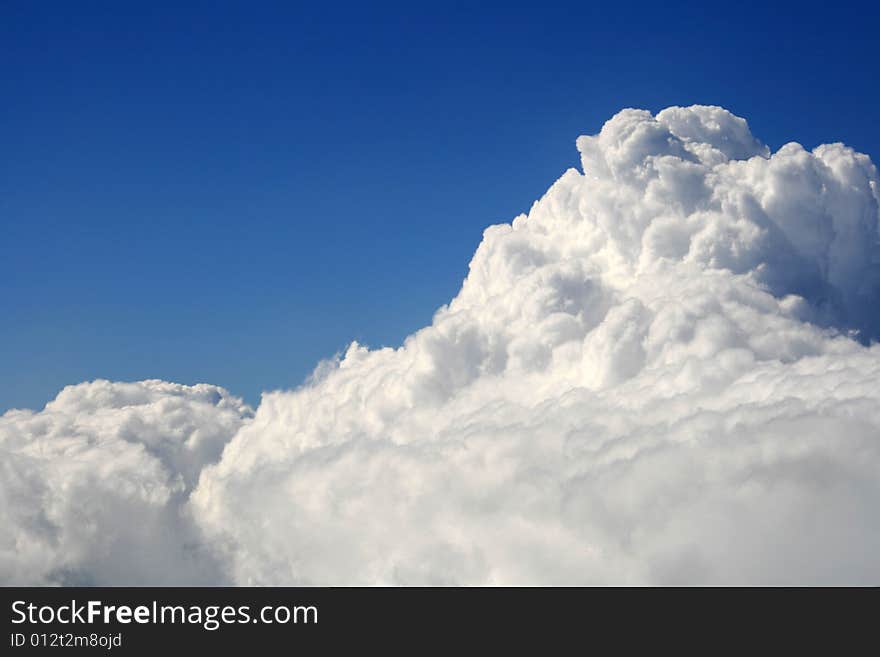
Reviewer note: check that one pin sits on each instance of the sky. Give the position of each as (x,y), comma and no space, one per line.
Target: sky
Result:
(634,324)
(230,192)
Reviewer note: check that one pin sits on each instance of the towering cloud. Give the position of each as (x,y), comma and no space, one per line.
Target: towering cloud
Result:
(665,373)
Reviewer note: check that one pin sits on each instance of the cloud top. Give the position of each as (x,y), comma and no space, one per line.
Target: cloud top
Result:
(664,373)
(94,486)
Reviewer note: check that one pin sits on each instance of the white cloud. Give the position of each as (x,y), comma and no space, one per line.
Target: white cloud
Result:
(661,374)
(93,486)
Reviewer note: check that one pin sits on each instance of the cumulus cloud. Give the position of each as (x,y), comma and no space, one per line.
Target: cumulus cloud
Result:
(94,486)
(665,373)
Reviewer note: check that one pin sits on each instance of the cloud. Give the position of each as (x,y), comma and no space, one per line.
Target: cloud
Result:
(664,373)
(94,486)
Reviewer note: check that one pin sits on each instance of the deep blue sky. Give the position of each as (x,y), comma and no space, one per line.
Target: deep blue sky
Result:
(228,192)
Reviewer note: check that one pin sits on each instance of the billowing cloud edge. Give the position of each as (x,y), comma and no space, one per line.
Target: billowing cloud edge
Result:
(664,373)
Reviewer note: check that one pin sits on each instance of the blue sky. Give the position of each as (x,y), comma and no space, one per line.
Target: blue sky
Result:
(226,192)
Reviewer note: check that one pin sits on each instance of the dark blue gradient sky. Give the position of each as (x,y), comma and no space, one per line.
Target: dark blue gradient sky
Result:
(228,192)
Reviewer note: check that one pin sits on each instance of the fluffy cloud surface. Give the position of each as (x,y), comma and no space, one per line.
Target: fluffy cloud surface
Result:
(667,372)
(94,487)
